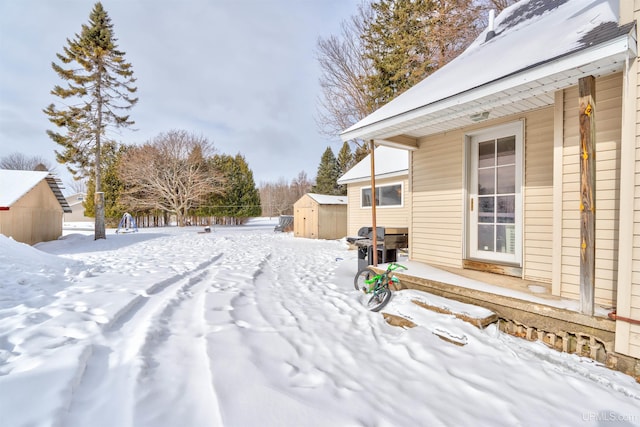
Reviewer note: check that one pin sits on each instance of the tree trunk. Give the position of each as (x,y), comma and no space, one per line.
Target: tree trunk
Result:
(99,227)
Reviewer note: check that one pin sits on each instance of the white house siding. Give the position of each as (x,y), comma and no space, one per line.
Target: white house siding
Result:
(437,185)
(385,216)
(538,196)
(608,134)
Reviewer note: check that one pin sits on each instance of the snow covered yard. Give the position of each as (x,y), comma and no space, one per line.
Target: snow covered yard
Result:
(246,327)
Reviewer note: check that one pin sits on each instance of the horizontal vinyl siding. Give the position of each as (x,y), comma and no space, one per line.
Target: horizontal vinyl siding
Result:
(438,217)
(385,216)
(437,222)
(538,195)
(608,124)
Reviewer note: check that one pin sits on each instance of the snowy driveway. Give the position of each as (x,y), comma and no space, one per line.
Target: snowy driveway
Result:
(246,327)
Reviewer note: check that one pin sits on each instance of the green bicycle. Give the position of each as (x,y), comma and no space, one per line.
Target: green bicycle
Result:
(377,285)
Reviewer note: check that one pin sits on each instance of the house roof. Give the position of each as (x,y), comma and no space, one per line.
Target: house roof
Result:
(539,47)
(324,199)
(76,199)
(16,183)
(389,162)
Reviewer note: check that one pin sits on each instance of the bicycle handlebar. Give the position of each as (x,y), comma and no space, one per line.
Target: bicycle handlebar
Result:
(394,266)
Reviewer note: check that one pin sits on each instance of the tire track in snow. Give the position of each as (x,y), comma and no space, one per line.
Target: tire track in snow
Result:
(117,361)
(178,333)
(247,368)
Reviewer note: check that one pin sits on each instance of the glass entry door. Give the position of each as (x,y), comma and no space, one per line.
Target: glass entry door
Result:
(495,221)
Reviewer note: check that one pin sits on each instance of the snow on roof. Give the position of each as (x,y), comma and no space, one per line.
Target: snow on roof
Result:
(325,199)
(76,199)
(527,34)
(16,183)
(389,162)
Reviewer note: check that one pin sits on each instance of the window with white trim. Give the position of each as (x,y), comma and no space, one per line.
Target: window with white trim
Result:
(386,196)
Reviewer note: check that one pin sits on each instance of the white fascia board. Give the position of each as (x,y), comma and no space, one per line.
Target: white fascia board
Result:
(379,176)
(616,49)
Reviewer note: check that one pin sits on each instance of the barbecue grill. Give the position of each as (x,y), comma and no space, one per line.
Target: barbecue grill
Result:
(389,240)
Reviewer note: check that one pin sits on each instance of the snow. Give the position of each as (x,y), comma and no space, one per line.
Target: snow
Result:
(393,162)
(246,327)
(523,39)
(324,199)
(16,183)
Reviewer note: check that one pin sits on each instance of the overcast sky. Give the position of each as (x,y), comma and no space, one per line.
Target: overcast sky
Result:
(242,73)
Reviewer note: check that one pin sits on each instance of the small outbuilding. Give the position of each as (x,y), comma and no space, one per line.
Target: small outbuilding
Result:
(31,206)
(319,216)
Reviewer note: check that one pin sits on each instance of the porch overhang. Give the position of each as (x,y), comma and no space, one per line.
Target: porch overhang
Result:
(524,90)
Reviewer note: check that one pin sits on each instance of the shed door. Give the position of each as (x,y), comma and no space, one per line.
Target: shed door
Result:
(495,179)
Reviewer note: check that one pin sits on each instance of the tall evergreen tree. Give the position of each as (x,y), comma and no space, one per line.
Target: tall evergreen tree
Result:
(243,193)
(112,186)
(241,198)
(345,161)
(99,86)
(387,47)
(395,44)
(328,174)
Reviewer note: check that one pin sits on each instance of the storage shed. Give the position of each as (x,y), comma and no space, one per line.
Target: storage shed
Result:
(31,206)
(319,216)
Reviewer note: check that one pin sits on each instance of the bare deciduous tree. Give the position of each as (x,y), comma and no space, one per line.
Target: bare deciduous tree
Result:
(78,186)
(169,173)
(499,5)
(453,25)
(344,67)
(19,161)
(440,30)
(278,198)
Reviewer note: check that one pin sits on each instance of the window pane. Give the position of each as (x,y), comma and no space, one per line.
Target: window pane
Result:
(506,179)
(485,237)
(486,209)
(506,239)
(507,151)
(366,197)
(506,209)
(390,195)
(486,154)
(486,181)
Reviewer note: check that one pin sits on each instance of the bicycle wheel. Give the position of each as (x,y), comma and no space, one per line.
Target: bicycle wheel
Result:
(379,299)
(361,276)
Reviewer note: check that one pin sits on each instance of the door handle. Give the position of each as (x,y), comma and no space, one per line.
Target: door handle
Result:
(472,204)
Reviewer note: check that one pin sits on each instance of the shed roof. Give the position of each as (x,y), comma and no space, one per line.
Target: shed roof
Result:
(389,162)
(325,199)
(539,46)
(16,183)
